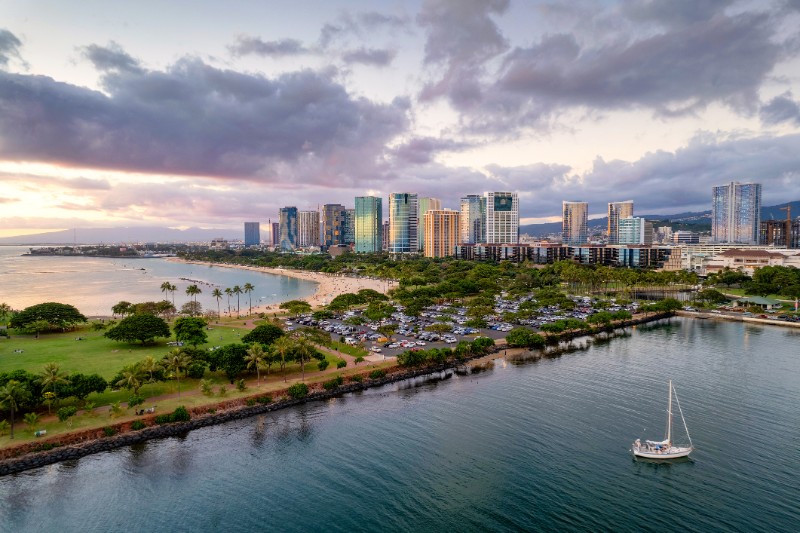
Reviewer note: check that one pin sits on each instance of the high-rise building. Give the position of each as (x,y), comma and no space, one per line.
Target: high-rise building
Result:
(308,229)
(575,223)
(473,219)
(780,233)
(634,230)
(664,234)
(441,232)
(369,224)
(385,235)
(275,228)
(616,212)
(288,228)
(502,217)
(333,216)
(736,213)
(252,234)
(403,223)
(424,205)
(349,227)
(685,237)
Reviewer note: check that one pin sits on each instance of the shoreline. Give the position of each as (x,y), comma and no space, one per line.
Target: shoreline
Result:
(329,286)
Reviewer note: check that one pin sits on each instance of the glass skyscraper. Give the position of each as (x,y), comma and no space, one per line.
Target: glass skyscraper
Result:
(502,218)
(736,213)
(403,223)
(616,212)
(288,228)
(333,219)
(369,224)
(252,234)
(575,223)
(473,219)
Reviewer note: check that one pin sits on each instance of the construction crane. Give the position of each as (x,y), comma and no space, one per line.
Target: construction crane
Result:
(788,231)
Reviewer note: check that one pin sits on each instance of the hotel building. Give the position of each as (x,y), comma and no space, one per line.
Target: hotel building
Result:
(369,224)
(616,212)
(403,223)
(502,217)
(736,213)
(441,228)
(574,223)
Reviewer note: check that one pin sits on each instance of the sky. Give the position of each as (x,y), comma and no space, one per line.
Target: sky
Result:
(209,114)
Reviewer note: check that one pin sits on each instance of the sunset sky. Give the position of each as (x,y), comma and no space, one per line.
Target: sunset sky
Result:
(196,113)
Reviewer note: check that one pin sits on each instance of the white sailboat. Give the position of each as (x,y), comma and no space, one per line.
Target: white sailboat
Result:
(665,449)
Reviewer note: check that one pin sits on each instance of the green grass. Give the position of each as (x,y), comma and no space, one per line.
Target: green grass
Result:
(355,351)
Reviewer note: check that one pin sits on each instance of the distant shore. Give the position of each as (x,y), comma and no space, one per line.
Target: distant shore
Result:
(329,286)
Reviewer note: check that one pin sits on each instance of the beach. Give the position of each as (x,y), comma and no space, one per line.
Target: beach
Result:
(329,286)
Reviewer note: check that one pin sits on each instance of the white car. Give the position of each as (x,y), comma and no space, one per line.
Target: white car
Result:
(375,349)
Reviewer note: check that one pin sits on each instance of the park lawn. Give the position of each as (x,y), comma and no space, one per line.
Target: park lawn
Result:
(742,292)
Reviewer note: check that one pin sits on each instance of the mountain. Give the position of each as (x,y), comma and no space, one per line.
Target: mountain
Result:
(696,221)
(124,235)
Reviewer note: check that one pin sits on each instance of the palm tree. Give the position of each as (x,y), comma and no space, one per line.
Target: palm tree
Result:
(131,378)
(177,360)
(216,293)
(237,290)
(228,292)
(150,365)
(282,347)
(193,291)
(5,311)
(12,394)
(248,288)
(50,377)
(255,358)
(166,287)
(303,350)
(172,289)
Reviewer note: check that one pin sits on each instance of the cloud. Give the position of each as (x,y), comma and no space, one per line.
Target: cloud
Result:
(37,182)
(8,200)
(246,45)
(370,56)
(420,150)
(358,25)
(781,109)
(9,47)
(111,58)
(195,119)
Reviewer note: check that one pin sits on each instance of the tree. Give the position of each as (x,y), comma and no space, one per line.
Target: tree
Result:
(283,347)
(303,351)
(192,309)
(256,358)
(228,293)
(230,359)
(122,308)
(5,312)
(237,290)
(216,293)
(131,378)
(248,289)
(81,385)
(57,315)
(51,377)
(141,327)
(264,334)
(151,366)
(176,360)
(12,394)
(524,338)
(166,287)
(193,291)
(296,307)
(191,330)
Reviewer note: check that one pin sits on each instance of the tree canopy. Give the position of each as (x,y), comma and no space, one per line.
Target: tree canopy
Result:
(264,334)
(191,330)
(144,328)
(56,315)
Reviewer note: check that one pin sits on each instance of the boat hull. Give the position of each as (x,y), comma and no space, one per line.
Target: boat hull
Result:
(674,452)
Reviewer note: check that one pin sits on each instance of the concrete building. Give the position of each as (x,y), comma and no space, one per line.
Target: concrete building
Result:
(368,224)
(385,235)
(774,233)
(275,231)
(502,217)
(685,237)
(750,260)
(252,234)
(441,228)
(634,230)
(736,213)
(288,228)
(403,223)
(575,223)
(349,227)
(616,212)
(332,230)
(664,234)
(308,229)
(473,219)
(424,204)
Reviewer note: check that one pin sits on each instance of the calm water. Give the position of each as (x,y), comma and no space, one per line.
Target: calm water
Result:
(526,446)
(94,285)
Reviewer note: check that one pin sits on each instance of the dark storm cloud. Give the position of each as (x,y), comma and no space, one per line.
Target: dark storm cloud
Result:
(421,150)
(461,38)
(193,118)
(9,47)
(246,45)
(111,57)
(369,56)
(781,109)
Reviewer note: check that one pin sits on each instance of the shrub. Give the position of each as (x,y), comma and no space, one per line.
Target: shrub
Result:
(45,446)
(240,386)
(322,365)
(298,390)
(137,425)
(377,374)
(31,419)
(358,378)
(163,419)
(360,359)
(109,431)
(4,427)
(333,383)
(66,412)
(223,391)
(206,387)
(180,414)
(264,399)
(98,326)
(133,401)
(341,364)
(250,402)
(211,410)
(116,409)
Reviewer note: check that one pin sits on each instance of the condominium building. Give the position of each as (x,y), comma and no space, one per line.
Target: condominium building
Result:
(616,212)
(441,228)
(424,204)
(275,231)
(736,213)
(634,230)
(332,230)
(288,228)
(575,223)
(473,219)
(502,217)
(369,224)
(252,234)
(349,227)
(308,229)
(385,235)
(403,223)
(782,233)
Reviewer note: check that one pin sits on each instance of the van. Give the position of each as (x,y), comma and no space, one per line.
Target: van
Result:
(350,341)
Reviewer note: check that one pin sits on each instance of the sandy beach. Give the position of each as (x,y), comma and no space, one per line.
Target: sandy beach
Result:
(329,286)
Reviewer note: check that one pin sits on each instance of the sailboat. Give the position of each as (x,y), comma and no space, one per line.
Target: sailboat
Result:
(665,449)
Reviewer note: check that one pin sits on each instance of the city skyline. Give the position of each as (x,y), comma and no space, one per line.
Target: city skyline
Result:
(109,110)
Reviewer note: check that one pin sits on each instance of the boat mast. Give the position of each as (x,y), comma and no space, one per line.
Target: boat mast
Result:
(669,415)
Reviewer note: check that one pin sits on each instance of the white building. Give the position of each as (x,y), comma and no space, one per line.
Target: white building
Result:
(634,230)
(502,217)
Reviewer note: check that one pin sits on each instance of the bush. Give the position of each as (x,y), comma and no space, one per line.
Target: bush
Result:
(133,401)
(333,383)
(298,390)
(66,412)
(359,359)
(264,399)
(223,391)
(4,427)
(250,402)
(358,378)
(341,364)
(180,414)
(109,431)
(240,386)
(377,374)
(322,365)
(206,387)
(137,425)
